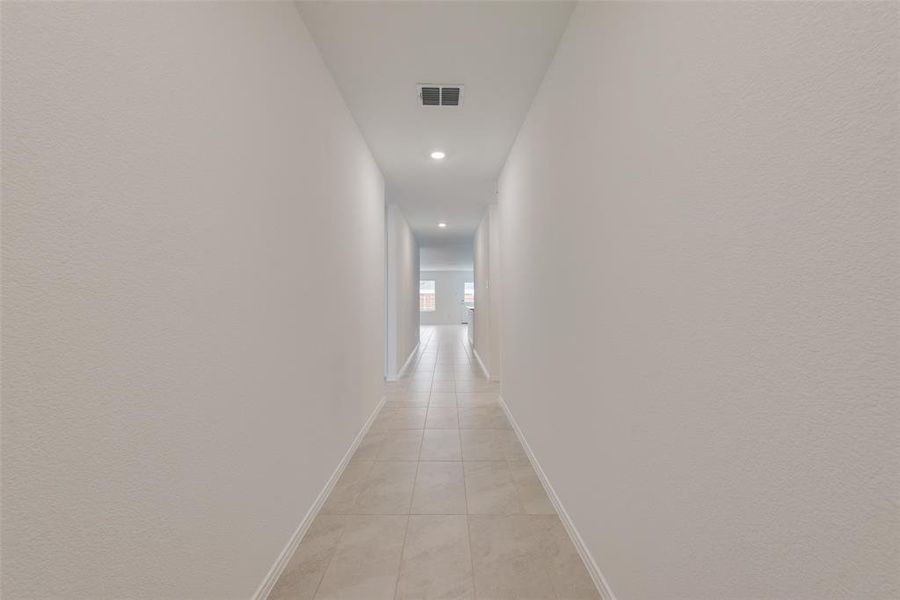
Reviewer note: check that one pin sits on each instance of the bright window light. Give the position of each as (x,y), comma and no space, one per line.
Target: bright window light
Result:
(426,295)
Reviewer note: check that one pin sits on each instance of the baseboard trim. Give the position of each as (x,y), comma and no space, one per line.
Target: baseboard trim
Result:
(405,366)
(481,363)
(265,588)
(590,564)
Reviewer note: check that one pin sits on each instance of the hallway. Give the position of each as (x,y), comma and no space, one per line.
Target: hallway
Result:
(239,239)
(439,500)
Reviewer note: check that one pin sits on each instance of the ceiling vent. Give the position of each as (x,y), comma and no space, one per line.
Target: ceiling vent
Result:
(435,94)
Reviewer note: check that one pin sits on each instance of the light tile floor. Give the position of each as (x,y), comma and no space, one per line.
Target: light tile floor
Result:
(439,501)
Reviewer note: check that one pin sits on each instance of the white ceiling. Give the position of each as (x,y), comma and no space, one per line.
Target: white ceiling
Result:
(378,52)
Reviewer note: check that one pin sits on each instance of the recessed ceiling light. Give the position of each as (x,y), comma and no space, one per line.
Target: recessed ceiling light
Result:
(442,225)
(437,155)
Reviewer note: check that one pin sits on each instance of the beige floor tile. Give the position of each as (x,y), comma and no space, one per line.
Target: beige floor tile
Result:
(400,444)
(397,396)
(442,417)
(462,383)
(367,561)
(507,557)
(443,376)
(438,475)
(420,385)
(532,496)
(483,444)
(401,403)
(407,400)
(440,444)
(440,489)
(511,446)
(442,399)
(420,376)
(436,559)
(490,489)
(482,417)
(388,489)
(304,571)
(342,499)
(369,446)
(477,386)
(568,574)
(466,399)
(400,418)
(445,387)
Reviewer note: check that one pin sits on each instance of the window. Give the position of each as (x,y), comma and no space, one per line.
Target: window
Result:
(426,296)
(469,293)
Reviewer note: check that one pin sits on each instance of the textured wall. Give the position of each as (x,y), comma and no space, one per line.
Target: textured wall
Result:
(403,290)
(193,302)
(496,284)
(482,273)
(700,249)
(487,291)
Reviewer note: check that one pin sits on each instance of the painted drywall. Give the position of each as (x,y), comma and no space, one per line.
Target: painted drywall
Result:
(496,295)
(452,255)
(700,244)
(193,299)
(402,291)
(487,292)
(449,287)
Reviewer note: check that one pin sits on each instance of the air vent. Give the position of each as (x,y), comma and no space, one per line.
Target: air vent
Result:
(433,94)
(450,96)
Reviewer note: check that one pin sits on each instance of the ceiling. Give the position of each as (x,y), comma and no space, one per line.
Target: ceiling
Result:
(379,51)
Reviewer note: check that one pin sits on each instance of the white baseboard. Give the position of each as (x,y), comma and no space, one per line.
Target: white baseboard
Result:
(590,564)
(405,366)
(481,363)
(275,572)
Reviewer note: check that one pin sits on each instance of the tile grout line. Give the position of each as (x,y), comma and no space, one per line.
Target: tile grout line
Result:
(468,523)
(406,533)
(337,546)
(412,493)
(456,405)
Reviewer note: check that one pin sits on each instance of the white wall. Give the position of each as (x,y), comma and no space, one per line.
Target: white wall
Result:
(402,291)
(700,249)
(454,255)
(193,294)
(488,292)
(496,296)
(449,287)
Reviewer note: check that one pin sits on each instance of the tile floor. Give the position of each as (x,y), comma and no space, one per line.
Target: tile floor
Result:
(439,500)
